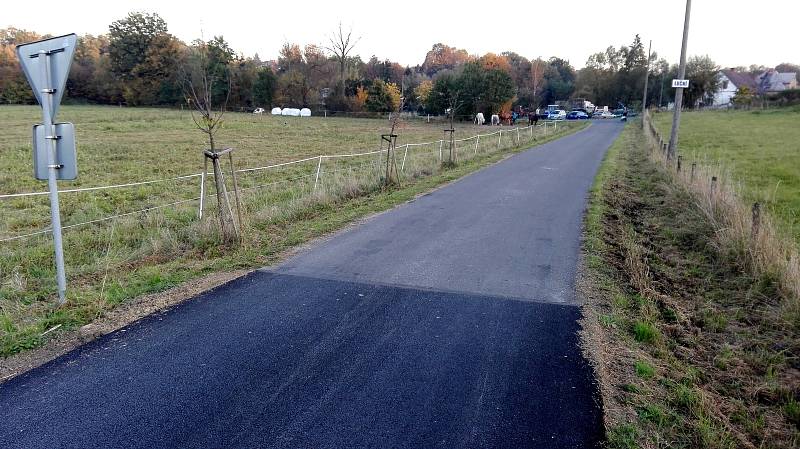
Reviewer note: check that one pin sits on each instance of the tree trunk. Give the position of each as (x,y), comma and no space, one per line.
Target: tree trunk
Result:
(222,198)
(341,75)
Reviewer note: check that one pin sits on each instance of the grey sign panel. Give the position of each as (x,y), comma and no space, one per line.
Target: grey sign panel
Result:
(60,50)
(66,153)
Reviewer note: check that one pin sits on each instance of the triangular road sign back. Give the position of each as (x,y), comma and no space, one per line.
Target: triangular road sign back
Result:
(60,50)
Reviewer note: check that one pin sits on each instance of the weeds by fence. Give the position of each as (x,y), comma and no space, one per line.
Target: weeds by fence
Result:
(741,229)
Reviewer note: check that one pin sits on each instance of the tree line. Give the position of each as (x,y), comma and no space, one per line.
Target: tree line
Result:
(139,63)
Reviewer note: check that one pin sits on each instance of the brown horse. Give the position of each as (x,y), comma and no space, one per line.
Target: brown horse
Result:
(505,117)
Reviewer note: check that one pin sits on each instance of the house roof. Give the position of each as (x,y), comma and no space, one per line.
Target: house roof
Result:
(740,79)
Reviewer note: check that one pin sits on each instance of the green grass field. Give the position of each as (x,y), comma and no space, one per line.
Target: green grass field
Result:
(123,145)
(761,148)
(111,261)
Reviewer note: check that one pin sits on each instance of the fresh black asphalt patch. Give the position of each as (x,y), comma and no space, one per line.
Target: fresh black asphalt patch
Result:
(317,363)
(452,347)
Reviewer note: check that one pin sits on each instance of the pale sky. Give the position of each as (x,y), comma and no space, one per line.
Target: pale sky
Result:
(732,32)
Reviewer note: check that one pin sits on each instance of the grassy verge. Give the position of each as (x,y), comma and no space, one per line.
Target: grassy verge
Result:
(154,252)
(692,348)
(761,149)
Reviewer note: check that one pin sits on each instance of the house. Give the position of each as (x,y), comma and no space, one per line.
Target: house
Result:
(771,82)
(731,81)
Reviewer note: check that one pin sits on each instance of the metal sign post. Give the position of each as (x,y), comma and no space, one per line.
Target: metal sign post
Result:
(46,64)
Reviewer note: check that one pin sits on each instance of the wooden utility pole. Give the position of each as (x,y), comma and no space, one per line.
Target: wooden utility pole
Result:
(646,79)
(676,117)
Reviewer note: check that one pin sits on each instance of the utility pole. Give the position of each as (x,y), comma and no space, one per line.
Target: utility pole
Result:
(535,69)
(676,117)
(646,79)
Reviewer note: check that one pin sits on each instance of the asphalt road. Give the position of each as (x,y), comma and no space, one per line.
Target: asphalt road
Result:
(446,322)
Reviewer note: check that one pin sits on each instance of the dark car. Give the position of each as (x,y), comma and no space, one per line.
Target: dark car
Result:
(577,115)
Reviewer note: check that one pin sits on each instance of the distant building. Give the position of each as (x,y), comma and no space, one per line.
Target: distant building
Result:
(731,81)
(769,82)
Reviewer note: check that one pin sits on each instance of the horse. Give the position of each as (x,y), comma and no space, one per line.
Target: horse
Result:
(479,120)
(505,117)
(495,119)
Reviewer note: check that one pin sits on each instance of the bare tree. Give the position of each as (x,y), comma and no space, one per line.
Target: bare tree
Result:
(455,103)
(392,174)
(200,81)
(341,45)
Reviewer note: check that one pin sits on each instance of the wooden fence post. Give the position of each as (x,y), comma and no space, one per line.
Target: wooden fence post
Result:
(694,166)
(756,221)
(679,164)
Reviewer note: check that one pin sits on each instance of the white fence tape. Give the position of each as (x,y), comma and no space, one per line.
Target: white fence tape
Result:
(316,175)
(115,186)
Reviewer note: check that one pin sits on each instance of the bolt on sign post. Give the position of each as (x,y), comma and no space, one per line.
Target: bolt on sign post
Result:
(46,65)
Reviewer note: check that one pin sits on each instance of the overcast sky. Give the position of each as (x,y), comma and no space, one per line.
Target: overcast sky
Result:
(732,32)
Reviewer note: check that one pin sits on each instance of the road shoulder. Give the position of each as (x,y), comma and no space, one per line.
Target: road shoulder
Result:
(687,345)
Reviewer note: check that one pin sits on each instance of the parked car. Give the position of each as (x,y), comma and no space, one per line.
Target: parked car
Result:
(603,114)
(619,112)
(577,115)
(559,114)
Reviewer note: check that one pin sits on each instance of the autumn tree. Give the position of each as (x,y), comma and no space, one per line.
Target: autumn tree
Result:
(491,61)
(443,57)
(423,91)
(382,97)
(14,87)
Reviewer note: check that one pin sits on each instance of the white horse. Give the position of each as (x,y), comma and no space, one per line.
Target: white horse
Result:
(479,120)
(495,120)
